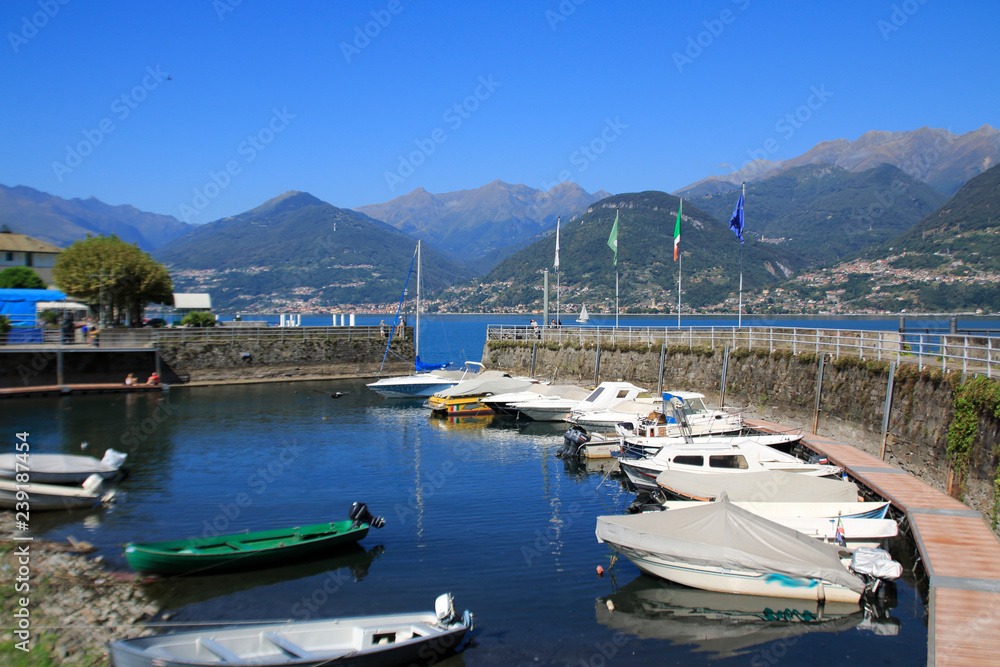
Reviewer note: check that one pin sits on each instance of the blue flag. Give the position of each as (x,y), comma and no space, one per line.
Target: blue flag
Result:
(736,222)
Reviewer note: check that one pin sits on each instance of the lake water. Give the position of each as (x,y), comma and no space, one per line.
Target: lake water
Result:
(481,508)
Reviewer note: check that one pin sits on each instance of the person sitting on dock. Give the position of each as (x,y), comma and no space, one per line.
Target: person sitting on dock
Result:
(129,380)
(154,378)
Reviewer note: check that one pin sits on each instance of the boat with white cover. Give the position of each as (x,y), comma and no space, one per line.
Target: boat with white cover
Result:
(389,639)
(720,547)
(507,404)
(762,486)
(424,384)
(738,455)
(62,468)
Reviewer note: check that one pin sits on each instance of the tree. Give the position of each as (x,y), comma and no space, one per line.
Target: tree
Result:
(117,276)
(20,277)
(199,318)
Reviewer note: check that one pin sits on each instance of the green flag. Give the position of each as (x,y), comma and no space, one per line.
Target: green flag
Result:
(613,239)
(677,231)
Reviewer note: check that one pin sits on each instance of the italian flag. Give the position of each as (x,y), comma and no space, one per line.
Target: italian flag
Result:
(677,231)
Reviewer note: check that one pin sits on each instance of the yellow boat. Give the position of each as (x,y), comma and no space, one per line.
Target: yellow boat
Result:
(462,400)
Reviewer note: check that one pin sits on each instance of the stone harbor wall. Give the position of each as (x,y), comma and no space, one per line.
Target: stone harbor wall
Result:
(266,359)
(781,387)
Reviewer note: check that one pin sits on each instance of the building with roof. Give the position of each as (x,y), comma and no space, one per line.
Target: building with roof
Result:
(21,250)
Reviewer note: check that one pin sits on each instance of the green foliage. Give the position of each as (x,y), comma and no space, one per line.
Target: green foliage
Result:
(49,317)
(198,319)
(105,267)
(975,399)
(20,277)
(4,324)
(873,366)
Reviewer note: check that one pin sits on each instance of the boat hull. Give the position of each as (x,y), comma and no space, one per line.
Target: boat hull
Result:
(397,639)
(411,390)
(741,582)
(226,553)
(57,468)
(466,406)
(48,497)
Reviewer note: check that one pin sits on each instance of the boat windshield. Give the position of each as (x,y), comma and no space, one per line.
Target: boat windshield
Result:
(695,406)
(593,395)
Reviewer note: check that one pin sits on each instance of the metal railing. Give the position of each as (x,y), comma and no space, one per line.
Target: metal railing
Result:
(971,354)
(150,337)
(223,334)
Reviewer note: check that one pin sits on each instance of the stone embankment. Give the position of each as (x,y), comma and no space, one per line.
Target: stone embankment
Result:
(75,605)
(782,387)
(220,361)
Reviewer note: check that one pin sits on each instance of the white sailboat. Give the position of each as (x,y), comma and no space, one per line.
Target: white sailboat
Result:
(584,315)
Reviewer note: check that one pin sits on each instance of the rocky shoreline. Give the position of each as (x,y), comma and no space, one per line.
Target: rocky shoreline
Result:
(75,605)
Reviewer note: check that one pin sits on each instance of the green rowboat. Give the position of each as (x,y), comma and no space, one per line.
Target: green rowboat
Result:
(226,553)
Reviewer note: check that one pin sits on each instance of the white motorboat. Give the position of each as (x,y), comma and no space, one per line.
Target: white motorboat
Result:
(606,420)
(607,395)
(720,547)
(390,639)
(507,404)
(423,385)
(47,497)
(761,487)
(778,511)
(61,468)
(550,408)
(738,455)
(639,447)
(684,413)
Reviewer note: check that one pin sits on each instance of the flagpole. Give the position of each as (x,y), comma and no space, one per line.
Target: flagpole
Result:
(616,273)
(680,262)
(558,308)
(739,321)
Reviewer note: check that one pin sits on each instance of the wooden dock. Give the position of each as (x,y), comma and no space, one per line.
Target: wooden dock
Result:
(66,389)
(960,553)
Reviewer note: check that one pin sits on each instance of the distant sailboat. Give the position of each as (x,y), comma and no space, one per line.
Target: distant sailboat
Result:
(584,316)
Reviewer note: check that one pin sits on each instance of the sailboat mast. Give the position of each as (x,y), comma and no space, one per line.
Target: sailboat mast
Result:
(739,322)
(416,330)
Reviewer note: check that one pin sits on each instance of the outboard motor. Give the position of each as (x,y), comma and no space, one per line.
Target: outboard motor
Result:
(573,440)
(359,514)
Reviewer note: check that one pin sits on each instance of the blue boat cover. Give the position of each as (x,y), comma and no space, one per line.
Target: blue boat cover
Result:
(421,367)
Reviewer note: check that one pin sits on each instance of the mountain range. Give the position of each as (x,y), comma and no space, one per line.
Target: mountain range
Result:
(824,213)
(949,261)
(295,251)
(62,221)
(710,255)
(943,160)
(486,224)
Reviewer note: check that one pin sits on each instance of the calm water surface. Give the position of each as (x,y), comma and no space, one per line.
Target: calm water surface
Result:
(481,509)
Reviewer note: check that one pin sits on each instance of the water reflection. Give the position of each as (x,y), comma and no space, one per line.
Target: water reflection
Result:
(175,592)
(728,625)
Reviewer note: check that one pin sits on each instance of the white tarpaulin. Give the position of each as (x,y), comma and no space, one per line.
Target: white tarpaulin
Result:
(487,382)
(721,534)
(760,487)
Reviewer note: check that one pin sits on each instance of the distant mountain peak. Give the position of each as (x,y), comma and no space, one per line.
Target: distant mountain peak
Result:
(290,200)
(956,158)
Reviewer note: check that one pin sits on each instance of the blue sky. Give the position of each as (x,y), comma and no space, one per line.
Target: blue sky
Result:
(360,102)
